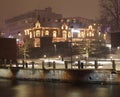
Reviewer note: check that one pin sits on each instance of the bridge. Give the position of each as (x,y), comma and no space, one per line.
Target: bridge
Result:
(58,64)
(92,70)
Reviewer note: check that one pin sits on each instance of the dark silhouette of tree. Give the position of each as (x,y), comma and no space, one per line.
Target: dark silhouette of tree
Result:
(110,14)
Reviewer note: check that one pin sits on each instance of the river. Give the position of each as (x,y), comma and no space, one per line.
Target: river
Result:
(49,89)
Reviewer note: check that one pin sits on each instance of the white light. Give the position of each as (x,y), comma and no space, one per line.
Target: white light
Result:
(17,39)
(77,57)
(44,56)
(75,30)
(59,56)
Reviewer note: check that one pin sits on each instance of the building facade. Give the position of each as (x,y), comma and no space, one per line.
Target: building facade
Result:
(27,20)
(63,33)
(46,17)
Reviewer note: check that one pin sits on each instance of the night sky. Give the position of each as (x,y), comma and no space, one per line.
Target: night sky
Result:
(69,8)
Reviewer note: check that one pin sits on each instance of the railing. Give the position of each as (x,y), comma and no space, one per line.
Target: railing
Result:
(58,64)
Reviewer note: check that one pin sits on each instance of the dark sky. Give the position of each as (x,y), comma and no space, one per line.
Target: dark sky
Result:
(69,8)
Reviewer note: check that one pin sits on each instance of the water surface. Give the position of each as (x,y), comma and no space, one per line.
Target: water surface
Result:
(49,89)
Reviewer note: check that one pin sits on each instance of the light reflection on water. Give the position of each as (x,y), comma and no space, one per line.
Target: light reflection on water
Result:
(48,89)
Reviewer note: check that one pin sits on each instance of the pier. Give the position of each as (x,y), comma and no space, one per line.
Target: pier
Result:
(63,71)
(58,64)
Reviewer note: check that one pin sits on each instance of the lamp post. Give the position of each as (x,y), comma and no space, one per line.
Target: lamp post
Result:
(55,48)
(19,43)
(71,52)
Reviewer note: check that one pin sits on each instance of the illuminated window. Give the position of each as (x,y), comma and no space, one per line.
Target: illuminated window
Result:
(68,20)
(25,32)
(47,32)
(99,33)
(74,20)
(87,34)
(54,34)
(104,36)
(90,27)
(38,33)
(69,34)
(90,33)
(37,42)
(83,34)
(79,35)
(30,34)
(64,33)
(64,26)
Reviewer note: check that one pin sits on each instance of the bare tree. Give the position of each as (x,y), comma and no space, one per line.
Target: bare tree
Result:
(110,13)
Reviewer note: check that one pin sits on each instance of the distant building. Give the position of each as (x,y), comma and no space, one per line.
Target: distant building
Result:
(27,20)
(63,33)
(46,17)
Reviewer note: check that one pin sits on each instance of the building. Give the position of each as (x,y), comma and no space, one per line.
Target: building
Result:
(27,20)
(62,33)
(46,17)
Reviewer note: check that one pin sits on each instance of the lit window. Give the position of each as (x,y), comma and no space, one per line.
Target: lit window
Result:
(69,34)
(30,34)
(87,34)
(54,34)
(90,27)
(74,20)
(104,36)
(64,33)
(47,32)
(83,34)
(79,35)
(25,32)
(99,33)
(38,33)
(68,20)
(64,26)
(37,42)
(90,33)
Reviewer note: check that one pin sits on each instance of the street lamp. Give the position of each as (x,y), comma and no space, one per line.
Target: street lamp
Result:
(55,48)
(44,56)
(19,43)
(71,59)
(118,51)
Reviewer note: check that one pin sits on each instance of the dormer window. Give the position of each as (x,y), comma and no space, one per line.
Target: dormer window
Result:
(64,26)
(37,25)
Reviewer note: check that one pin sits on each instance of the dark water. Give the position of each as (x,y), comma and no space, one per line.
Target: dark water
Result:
(47,89)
